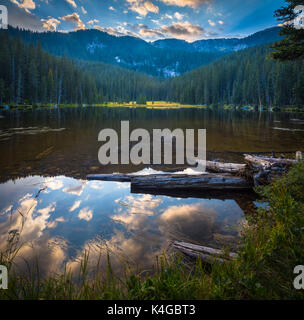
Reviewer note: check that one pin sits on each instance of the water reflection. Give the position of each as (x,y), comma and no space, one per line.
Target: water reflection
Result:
(55,220)
(73,151)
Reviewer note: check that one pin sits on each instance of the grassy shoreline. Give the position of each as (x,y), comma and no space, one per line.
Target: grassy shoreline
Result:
(162,105)
(272,246)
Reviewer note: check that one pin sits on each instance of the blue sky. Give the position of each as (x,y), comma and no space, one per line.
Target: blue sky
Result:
(149,19)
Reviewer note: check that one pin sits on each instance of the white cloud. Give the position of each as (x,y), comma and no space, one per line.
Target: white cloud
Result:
(74,18)
(178,16)
(84,11)
(112,9)
(75,206)
(50,24)
(142,7)
(212,23)
(186,3)
(93,21)
(27,5)
(85,214)
(72,3)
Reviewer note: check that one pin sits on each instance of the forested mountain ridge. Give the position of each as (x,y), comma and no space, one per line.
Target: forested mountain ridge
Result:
(128,52)
(28,74)
(163,58)
(223,45)
(247,77)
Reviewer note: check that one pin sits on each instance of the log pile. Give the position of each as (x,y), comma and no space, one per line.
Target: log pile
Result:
(226,177)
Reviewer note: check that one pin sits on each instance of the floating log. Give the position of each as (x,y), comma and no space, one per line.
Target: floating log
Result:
(116,177)
(210,181)
(208,255)
(219,167)
(267,162)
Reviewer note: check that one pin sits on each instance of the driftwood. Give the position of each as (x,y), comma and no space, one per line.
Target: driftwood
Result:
(219,167)
(158,182)
(206,254)
(116,177)
(265,169)
(209,181)
(224,177)
(266,162)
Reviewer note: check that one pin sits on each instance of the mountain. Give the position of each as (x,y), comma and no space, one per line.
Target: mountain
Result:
(128,52)
(223,45)
(164,58)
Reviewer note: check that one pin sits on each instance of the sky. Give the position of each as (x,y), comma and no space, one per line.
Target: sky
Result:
(150,20)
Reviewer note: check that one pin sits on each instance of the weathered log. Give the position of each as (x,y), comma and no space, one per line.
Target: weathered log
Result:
(219,167)
(209,181)
(116,177)
(206,250)
(267,162)
(206,254)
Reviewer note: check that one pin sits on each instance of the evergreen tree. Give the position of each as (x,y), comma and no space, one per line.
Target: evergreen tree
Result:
(292,46)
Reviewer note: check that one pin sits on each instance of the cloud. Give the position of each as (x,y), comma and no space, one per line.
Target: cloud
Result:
(178,16)
(27,5)
(93,21)
(212,23)
(74,18)
(50,24)
(180,29)
(142,7)
(186,3)
(183,30)
(118,31)
(72,3)
(84,11)
(112,9)
(85,214)
(75,206)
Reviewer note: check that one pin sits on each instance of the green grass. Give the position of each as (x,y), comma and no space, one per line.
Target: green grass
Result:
(272,246)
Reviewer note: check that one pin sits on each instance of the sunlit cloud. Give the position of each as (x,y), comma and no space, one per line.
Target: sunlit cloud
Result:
(75,19)
(50,24)
(75,206)
(76,189)
(72,3)
(85,214)
(84,11)
(186,3)
(27,5)
(142,7)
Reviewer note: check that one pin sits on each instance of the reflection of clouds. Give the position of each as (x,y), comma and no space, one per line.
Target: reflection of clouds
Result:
(141,205)
(49,252)
(75,206)
(193,221)
(77,189)
(53,224)
(7,210)
(137,210)
(139,250)
(54,183)
(97,185)
(122,185)
(25,221)
(85,214)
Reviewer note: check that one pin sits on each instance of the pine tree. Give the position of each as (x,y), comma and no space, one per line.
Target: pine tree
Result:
(292,46)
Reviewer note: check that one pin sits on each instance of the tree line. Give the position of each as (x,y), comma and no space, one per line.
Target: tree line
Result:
(31,75)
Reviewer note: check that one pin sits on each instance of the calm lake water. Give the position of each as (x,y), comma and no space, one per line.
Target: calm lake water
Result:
(48,206)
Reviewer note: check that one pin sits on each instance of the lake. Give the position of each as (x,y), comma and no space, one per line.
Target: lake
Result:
(50,210)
